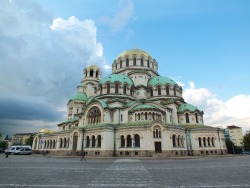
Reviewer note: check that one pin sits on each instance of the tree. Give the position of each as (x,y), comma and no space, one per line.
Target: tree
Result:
(246,141)
(29,141)
(232,149)
(3,144)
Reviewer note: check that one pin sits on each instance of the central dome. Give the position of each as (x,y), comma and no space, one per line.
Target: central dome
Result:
(134,51)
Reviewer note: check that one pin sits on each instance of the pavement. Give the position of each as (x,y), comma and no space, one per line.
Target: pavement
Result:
(50,171)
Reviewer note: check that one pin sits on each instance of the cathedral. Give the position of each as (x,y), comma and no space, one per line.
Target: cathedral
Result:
(133,112)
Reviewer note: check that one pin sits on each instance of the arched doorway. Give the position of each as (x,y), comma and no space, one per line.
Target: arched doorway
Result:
(75,140)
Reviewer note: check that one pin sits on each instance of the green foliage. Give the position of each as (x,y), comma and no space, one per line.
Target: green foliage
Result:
(232,149)
(3,144)
(246,142)
(29,141)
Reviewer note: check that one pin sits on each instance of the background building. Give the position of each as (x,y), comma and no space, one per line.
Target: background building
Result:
(132,112)
(234,134)
(21,138)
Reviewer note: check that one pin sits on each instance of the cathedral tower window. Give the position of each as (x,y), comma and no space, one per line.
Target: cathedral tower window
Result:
(187,118)
(151,92)
(134,61)
(139,116)
(146,116)
(116,88)
(167,90)
(148,64)
(142,62)
(159,90)
(124,90)
(108,88)
(137,140)
(120,64)
(122,141)
(96,74)
(196,118)
(91,73)
(127,62)
(174,91)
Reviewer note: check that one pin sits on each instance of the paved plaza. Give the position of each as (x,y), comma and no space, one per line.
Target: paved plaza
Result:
(49,172)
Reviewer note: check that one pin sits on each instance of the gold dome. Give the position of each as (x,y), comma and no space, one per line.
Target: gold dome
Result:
(133,52)
(45,131)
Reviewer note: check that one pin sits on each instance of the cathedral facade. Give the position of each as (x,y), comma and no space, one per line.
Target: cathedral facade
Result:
(132,112)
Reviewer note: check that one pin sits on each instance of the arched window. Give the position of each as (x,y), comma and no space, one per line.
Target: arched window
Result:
(137,140)
(151,92)
(208,142)
(54,143)
(148,63)
(86,73)
(167,90)
(75,140)
(187,118)
(157,132)
(134,61)
(146,115)
(129,141)
(178,141)
(142,62)
(200,142)
(124,90)
(120,64)
(61,142)
(87,142)
(116,88)
(64,142)
(122,141)
(108,88)
(99,141)
(96,74)
(132,91)
(159,90)
(127,62)
(174,140)
(174,91)
(94,116)
(93,141)
(204,142)
(101,89)
(196,118)
(212,140)
(139,116)
(153,116)
(91,73)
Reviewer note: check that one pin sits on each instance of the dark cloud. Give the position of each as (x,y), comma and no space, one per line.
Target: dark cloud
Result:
(40,66)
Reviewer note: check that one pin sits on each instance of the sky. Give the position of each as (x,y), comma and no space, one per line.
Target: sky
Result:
(44,46)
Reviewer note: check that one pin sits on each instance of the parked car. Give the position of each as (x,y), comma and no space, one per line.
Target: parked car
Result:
(23,151)
(14,149)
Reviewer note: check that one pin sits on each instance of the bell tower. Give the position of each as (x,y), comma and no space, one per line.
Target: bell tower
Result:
(91,76)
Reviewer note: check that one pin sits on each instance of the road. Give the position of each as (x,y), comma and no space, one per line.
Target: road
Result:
(38,171)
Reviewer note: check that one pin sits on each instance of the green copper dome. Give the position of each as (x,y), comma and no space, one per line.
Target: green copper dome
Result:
(117,78)
(187,107)
(133,52)
(79,96)
(143,107)
(160,80)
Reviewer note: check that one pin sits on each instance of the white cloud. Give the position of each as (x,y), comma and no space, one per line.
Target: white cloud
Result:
(234,111)
(122,16)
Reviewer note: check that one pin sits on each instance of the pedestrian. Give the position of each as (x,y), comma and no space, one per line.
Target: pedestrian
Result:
(6,154)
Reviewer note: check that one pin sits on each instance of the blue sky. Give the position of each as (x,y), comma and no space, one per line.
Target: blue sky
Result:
(44,45)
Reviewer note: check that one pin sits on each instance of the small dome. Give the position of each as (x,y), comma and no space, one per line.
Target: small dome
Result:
(134,51)
(161,80)
(187,107)
(45,131)
(117,78)
(79,96)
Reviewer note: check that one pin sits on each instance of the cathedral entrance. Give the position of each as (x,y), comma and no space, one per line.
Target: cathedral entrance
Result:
(157,147)
(75,139)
